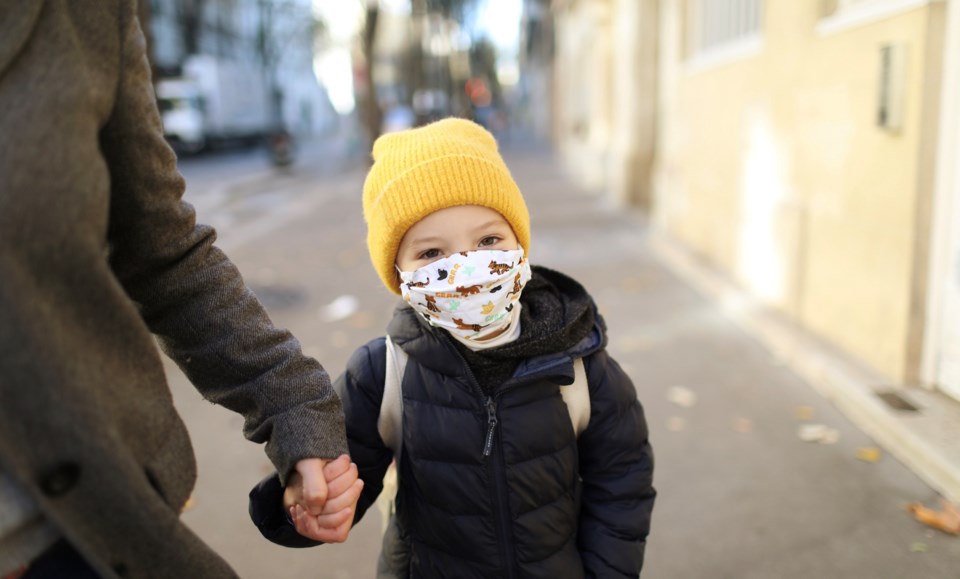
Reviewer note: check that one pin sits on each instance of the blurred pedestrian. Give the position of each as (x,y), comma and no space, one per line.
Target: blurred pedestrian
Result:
(98,252)
(497,475)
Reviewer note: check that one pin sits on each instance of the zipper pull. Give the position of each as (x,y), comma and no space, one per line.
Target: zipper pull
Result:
(491,425)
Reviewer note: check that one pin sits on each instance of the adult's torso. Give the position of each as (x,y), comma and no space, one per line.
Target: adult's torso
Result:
(87,422)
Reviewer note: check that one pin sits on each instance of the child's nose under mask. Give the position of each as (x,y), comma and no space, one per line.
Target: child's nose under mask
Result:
(472,295)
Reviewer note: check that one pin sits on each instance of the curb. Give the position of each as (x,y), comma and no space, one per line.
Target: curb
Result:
(835,376)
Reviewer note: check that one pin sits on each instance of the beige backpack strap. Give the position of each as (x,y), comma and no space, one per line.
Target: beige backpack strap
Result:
(390,424)
(577,397)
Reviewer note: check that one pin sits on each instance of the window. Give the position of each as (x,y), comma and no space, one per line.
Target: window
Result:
(720,25)
(840,15)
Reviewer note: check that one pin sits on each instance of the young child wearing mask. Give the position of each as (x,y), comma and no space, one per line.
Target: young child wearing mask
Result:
(494,479)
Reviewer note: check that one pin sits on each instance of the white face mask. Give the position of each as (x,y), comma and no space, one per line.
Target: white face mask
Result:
(472,295)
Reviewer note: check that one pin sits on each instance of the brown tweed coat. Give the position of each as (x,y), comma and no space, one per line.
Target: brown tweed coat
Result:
(97,252)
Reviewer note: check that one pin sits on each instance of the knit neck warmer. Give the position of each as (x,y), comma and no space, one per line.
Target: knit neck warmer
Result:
(557,314)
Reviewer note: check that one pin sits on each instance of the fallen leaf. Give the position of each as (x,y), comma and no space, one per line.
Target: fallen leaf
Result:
(947,520)
(804,412)
(743,426)
(681,396)
(818,433)
(188,505)
(869,454)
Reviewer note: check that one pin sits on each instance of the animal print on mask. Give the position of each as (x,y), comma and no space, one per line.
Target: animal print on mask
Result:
(499,268)
(469,290)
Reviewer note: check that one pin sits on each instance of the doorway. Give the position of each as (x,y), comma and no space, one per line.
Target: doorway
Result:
(942,353)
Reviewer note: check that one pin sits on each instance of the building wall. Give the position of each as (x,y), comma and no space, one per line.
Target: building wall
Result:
(583,76)
(772,167)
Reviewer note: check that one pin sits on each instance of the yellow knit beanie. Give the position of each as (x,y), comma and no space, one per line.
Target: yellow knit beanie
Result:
(420,171)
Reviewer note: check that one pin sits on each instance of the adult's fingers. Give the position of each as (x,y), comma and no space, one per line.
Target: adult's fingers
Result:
(336,467)
(342,483)
(332,528)
(347,499)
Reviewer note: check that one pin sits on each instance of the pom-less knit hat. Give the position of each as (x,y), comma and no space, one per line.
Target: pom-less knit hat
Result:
(420,171)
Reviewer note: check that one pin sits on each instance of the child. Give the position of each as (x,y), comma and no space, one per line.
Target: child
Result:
(493,479)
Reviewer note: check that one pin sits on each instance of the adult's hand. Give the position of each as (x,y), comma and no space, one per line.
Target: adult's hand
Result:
(321,498)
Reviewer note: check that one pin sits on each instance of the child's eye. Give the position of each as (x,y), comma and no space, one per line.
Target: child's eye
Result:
(430,254)
(488,241)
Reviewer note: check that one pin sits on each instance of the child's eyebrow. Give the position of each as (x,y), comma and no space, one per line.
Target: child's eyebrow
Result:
(426,240)
(490,224)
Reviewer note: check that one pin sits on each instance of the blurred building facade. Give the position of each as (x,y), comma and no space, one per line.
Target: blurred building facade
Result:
(807,149)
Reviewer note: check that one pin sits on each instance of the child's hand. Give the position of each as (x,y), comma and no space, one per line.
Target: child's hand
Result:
(321,497)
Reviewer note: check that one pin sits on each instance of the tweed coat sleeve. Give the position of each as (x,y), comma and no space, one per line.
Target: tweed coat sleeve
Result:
(616,466)
(361,388)
(190,294)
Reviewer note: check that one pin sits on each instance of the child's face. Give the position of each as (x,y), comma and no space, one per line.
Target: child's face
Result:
(452,230)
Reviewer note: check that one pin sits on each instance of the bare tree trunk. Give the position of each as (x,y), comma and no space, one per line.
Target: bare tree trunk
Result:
(191,18)
(370,113)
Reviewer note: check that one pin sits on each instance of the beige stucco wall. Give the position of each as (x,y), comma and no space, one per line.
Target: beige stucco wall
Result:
(583,98)
(772,168)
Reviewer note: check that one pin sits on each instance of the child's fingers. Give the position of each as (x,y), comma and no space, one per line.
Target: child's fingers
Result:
(314,483)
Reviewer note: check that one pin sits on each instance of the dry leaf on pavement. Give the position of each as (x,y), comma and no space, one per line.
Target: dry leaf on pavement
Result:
(869,454)
(804,412)
(947,520)
(188,506)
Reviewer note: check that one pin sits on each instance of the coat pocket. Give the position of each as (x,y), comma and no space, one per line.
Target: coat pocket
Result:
(172,469)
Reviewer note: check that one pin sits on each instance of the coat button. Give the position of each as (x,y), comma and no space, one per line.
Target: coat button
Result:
(60,479)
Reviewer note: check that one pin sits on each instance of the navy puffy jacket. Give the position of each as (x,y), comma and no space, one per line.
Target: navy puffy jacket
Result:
(537,501)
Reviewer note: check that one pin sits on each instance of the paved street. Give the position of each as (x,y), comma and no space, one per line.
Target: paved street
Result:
(741,496)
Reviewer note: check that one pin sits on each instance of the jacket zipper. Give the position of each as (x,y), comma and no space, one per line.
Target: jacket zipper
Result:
(491,426)
(499,467)
(500,486)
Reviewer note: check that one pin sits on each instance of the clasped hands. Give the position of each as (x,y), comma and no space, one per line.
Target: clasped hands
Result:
(321,498)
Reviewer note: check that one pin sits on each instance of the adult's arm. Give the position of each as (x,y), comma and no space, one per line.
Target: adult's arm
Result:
(361,389)
(190,294)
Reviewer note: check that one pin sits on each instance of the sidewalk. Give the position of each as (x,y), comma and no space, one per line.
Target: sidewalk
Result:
(741,496)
